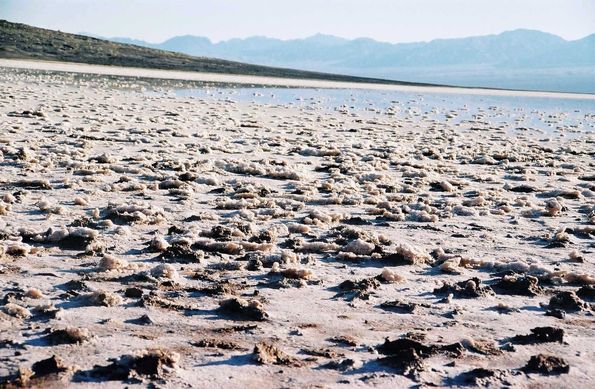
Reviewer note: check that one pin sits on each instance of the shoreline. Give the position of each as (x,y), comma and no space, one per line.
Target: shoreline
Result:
(104,70)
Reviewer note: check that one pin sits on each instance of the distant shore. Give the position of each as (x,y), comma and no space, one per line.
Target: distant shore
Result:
(71,67)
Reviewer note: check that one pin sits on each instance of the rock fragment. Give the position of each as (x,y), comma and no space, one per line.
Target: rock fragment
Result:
(546,365)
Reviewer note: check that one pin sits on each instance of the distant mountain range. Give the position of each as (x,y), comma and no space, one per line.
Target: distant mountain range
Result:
(519,59)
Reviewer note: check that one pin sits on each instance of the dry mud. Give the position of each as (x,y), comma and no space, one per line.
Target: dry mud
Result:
(148,239)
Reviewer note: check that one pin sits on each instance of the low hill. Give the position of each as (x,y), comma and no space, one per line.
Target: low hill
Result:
(20,41)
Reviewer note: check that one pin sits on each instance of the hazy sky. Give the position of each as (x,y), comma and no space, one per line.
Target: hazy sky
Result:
(385,20)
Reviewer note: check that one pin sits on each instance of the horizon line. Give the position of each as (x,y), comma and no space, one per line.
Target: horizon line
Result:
(212,41)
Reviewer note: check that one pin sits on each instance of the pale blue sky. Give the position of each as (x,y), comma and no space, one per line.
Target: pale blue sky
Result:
(385,20)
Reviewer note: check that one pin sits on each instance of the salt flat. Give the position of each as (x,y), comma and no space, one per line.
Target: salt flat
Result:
(152,237)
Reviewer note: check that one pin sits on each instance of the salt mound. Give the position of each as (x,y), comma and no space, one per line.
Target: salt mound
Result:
(110,262)
(164,270)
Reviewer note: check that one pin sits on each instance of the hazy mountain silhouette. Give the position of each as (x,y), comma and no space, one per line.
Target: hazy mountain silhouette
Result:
(521,59)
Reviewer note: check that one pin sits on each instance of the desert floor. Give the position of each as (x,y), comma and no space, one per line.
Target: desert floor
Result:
(151,238)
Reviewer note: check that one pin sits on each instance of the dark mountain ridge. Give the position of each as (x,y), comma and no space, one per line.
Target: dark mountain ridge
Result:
(20,41)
